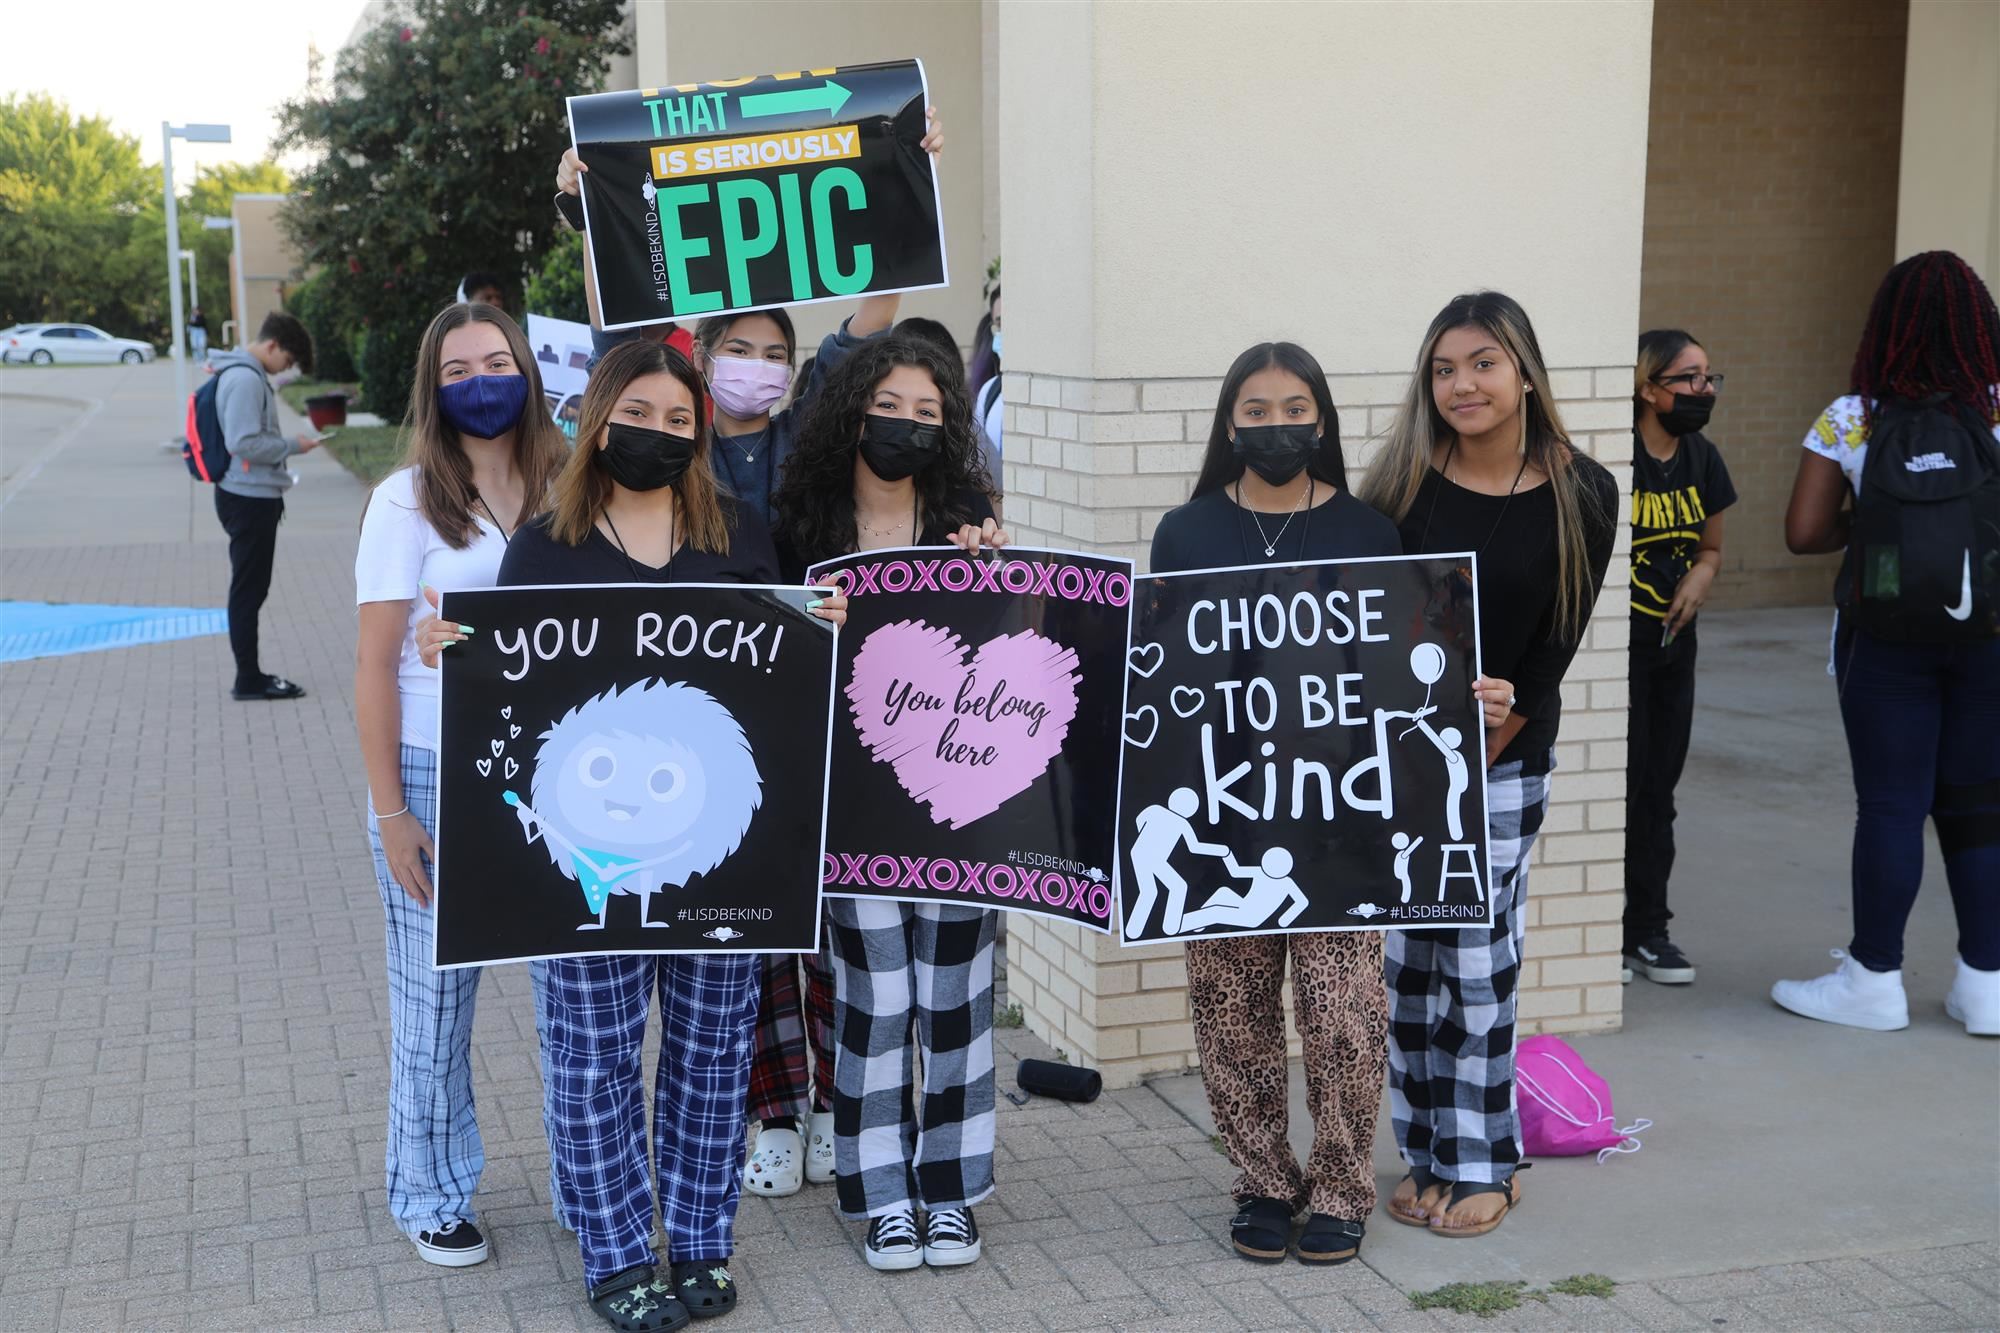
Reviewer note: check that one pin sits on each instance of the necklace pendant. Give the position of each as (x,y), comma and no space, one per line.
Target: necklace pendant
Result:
(1270,551)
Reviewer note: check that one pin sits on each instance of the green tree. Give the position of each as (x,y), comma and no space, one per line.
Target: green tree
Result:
(210,194)
(556,288)
(70,190)
(435,154)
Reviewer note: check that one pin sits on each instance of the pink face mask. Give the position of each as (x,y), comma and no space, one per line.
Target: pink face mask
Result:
(746,388)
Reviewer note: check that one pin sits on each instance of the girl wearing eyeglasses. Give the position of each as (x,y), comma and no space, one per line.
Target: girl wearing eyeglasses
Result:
(1680,486)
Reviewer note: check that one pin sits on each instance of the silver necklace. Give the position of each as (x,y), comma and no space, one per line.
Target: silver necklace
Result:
(1271,543)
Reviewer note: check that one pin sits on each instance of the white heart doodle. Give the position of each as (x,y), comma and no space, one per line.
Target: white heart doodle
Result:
(512,767)
(1151,653)
(485,767)
(1195,699)
(498,746)
(1151,717)
(513,731)
(508,711)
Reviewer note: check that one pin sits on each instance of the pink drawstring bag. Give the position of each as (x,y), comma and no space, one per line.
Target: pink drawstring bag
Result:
(1566,1105)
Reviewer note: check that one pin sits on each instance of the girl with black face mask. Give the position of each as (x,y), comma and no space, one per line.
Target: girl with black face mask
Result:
(1680,486)
(1273,490)
(638,503)
(887,457)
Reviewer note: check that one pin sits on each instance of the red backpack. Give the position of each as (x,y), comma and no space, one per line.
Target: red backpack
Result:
(204,450)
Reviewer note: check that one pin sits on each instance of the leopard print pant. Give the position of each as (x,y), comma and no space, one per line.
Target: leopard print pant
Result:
(1239,1030)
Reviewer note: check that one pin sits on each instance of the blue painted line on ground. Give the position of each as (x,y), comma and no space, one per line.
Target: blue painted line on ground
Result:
(57,629)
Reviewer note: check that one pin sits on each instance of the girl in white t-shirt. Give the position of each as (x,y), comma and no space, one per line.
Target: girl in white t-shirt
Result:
(1922,717)
(480,456)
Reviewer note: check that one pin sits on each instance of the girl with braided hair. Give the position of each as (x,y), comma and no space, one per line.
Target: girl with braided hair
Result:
(1922,711)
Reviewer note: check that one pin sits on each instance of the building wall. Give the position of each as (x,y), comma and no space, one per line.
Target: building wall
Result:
(693,40)
(265,255)
(1950,172)
(1158,225)
(1771,215)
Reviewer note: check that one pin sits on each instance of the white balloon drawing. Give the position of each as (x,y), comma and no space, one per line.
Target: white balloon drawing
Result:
(1427,663)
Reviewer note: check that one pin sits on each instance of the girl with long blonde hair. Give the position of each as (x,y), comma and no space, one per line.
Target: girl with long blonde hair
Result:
(1478,461)
(478,462)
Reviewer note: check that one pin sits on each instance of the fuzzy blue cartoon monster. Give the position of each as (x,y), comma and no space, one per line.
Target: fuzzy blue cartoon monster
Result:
(638,788)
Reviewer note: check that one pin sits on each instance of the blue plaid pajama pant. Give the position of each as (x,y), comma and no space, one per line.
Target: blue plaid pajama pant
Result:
(434,1151)
(595,1107)
(899,967)
(1452,1000)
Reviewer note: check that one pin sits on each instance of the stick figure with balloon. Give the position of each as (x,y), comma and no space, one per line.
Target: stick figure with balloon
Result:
(1427,663)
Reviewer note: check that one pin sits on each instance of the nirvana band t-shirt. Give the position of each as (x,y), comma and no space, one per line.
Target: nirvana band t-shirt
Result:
(1671,504)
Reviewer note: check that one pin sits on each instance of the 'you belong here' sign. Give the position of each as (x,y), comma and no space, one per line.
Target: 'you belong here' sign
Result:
(741,194)
(1303,751)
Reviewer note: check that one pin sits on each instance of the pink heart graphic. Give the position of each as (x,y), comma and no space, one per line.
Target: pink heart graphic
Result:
(908,681)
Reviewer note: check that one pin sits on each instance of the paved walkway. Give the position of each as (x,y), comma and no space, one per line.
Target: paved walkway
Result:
(193,1019)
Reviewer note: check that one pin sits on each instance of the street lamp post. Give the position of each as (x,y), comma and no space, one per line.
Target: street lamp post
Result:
(178,332)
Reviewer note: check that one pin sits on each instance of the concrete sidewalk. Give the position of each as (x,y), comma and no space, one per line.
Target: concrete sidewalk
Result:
(193,1021)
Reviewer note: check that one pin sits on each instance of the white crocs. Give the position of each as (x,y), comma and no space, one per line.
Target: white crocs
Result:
(819,1152)
(776,1163)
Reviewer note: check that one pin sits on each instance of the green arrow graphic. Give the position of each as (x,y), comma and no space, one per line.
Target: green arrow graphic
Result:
(828,97)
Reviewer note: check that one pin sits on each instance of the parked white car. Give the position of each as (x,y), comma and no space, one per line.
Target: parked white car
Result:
(46,344)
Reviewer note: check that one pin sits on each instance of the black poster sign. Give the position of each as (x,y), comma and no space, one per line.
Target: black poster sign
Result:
(744,194)
(975,742)
(1304,751)
(631,768)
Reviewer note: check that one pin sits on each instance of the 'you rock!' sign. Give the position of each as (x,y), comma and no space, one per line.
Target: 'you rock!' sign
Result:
(976,740)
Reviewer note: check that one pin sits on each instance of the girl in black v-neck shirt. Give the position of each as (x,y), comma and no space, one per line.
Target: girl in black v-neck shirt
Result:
(637,503)
(888,457)
(1478,461)
(1273,490)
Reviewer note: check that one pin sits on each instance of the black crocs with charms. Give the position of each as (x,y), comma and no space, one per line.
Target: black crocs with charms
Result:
(705,1287)
(636,1301)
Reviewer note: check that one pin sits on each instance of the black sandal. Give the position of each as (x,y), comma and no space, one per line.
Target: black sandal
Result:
(636,1301)
(1261,1231)
(705,1287)
(1326,1239)
(1425,1181)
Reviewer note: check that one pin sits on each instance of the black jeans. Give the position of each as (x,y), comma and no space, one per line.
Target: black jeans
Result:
(252,525)
(1662,696)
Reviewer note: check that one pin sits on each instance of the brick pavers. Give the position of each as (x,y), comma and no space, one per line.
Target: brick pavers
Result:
(193,1064)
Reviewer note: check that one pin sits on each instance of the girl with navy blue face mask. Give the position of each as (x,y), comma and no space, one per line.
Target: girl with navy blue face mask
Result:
(476,466)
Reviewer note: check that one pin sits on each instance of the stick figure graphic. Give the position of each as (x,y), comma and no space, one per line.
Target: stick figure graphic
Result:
(1162,829)
(1427,663)
(1405,849)
(1271,888)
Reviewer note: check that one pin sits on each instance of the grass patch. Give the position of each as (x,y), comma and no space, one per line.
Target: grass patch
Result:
(369,452)
(1487,1299)
(1010,1017)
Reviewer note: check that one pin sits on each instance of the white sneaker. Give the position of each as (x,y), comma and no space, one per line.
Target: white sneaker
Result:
(1850,995)
(819,1147)
(776,1166)
(1974,1000)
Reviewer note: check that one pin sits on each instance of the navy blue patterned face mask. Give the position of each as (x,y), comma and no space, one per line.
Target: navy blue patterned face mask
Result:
(483,406)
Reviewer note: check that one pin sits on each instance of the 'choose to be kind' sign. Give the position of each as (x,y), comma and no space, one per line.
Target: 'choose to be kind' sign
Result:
(741,194)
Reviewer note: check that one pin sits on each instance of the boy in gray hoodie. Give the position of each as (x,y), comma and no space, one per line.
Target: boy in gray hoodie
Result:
(249,498)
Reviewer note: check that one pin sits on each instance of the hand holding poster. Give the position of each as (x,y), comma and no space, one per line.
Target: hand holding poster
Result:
(1304,751)
(975,745)
(742,194)
(641,743)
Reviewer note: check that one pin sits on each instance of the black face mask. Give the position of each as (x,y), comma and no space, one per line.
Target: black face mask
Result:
(641,459)
(1277,453)
(897,447)
(1688,414)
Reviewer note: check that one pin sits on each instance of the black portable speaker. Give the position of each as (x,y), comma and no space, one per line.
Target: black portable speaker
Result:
(1046,1078)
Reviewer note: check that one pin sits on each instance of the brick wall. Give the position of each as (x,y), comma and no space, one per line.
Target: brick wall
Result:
(1093,464)
(1771,187)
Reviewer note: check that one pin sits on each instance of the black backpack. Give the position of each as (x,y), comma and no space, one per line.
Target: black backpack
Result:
(1923,559)
(204,451)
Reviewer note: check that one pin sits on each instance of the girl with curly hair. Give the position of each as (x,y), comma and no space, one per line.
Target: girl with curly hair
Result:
(888,458)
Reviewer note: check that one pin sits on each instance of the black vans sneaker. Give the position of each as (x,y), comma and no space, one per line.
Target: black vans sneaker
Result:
(453,1245)
(1660,960)
(894,1243)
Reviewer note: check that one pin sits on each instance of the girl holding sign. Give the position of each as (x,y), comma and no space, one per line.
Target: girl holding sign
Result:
(638,503)
(888,458)
(1273,490)
(1478,460)
(476,466)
